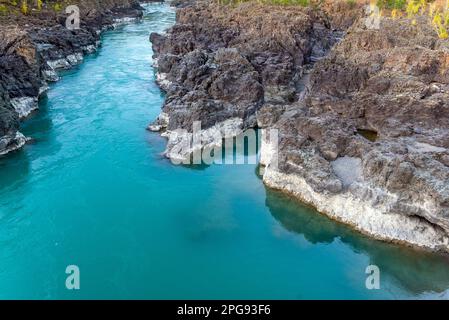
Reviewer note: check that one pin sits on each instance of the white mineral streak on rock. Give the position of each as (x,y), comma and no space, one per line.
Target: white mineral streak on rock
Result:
(89,49)
(269,145)
(66,63)
(348,170)
(162,81)
(50,75)
(75,59)
(425,147)
(24,105)
(43,89)
(59,64)
(365,208)
(161,123)
(121,21)
(181,146)
(11,143)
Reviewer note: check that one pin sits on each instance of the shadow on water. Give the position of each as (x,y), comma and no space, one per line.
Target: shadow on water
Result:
(38,125)
(14,170)
(15,167)
(236,150)
(416,271)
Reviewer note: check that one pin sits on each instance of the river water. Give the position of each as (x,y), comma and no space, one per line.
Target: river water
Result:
(94,191)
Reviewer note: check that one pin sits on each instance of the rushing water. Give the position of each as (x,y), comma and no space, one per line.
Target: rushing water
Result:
(94,191)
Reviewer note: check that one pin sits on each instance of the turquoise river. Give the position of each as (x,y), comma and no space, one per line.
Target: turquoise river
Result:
(93,190)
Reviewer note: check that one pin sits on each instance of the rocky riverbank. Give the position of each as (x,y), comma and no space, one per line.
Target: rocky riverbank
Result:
(362,114)
(33,46)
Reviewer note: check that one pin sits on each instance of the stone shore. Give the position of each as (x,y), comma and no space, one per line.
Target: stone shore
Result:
(362,114)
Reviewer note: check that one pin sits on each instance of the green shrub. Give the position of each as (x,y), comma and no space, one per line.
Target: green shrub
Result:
(24,7)
(391,4)
(351,3)
(57,7)
(303,3)
(3,9)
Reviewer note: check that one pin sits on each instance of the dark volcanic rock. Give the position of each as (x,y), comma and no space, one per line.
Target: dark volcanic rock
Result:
(362,131)
(264,56)
(220,63)
(215,87)
(393,81)
(9,121)
(32,47)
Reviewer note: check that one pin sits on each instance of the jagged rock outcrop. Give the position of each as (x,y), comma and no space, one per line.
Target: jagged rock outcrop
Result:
(219,63)
(34,46)
(362,128)
(10,138)
(393,82)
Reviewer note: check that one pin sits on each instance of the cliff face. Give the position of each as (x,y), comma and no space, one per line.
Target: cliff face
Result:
(34,46)
(220,64)
(363,127)
(392,82)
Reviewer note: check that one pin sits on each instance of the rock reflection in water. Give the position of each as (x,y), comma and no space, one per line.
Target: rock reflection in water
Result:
(416,271)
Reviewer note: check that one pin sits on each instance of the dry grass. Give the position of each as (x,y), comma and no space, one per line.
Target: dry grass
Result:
(437,11)
(279,24)
(30,7)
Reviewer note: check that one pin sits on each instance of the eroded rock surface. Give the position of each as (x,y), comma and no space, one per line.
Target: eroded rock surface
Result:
(35,46)
(392,81)
(219,63)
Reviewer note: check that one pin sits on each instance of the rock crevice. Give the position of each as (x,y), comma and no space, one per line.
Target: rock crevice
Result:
(326,83)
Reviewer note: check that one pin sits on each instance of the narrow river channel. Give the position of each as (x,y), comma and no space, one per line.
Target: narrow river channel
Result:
(94,191)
